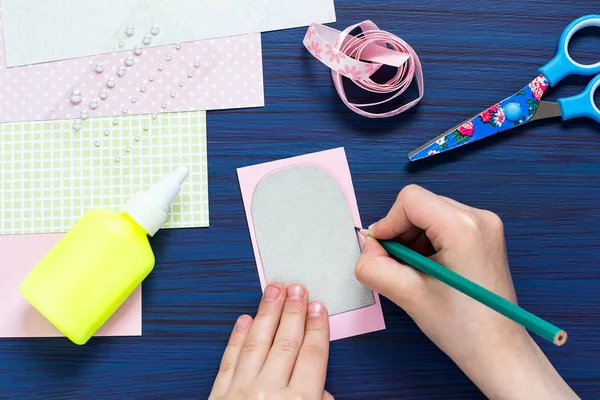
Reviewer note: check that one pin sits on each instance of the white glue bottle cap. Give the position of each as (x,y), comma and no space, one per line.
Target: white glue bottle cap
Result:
(149,209)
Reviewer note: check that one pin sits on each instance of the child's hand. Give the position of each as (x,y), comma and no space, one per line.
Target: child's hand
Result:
(464,239)
(495,352)
(280,355)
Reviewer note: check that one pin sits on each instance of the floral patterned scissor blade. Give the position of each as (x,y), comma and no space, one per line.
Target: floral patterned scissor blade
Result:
(509,113)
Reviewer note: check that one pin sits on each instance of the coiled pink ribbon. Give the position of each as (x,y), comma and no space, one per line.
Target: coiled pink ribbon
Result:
(358,57)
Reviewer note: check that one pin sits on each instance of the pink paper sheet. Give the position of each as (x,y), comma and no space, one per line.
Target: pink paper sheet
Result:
(351,323)
(229,76)
(21,253)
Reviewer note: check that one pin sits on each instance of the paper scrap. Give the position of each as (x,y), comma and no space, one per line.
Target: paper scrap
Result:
(51,174)
(226,73)
(77,28)
(305,207)
(18,318)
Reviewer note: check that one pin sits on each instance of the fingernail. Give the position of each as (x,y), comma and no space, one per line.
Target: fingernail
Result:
(243,323)
(271,292)
(295,292)
(370,229)
(315,309)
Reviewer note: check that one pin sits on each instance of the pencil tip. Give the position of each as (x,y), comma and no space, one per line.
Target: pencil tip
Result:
(362,232)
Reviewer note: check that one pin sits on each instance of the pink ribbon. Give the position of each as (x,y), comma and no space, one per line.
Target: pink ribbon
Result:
(358,57)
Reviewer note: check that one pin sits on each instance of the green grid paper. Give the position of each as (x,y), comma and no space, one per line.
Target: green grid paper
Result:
(50,175)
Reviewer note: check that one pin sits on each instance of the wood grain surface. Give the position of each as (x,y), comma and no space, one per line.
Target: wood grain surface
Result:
(543,180)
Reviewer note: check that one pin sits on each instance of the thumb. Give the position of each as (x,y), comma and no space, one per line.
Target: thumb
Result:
(378,271)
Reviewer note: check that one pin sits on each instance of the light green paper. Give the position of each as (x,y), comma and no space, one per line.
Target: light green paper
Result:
(50,175)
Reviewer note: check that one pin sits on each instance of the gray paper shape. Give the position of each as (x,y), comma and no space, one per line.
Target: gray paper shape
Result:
(305,234)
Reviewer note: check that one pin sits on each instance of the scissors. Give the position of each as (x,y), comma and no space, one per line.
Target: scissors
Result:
(526,105)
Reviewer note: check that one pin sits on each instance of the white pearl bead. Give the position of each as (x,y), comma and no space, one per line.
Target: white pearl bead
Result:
(155,115)
(76,96)
(94,104)
(77,125)
(160,67)
(147,39)
(111,82)
(155,30)
(197,64)
(143,89)
(178,46)
(146,127)
(115,121)
(99,67)
(121,71)
(173,94)
(121,43)
(164,104)
(190,74)
(117,159)
(129,31)
(137,138)
(128,149)
(134,99)
(151,78)
(129,61)
(169,57)
(138,49)
(106,132)
(103,94)
(182,84)
(97,143)
(125,110)
(84,114)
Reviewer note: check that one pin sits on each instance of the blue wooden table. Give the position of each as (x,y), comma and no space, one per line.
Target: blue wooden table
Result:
(543,180)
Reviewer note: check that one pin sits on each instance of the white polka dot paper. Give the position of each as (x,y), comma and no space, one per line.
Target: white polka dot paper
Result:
(204,75)
(50,174)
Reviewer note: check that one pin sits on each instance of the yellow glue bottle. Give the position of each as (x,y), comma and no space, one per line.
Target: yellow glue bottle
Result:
(92,270)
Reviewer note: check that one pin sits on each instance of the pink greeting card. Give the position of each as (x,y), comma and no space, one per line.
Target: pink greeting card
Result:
(301,214)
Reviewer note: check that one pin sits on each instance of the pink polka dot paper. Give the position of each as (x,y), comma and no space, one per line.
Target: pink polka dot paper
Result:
(203,75)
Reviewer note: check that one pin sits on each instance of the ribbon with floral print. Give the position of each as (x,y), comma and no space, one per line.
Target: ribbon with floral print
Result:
(358,57)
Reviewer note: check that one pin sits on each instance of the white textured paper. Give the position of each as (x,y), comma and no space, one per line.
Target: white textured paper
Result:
(305,234)
(48,30)
(50,175)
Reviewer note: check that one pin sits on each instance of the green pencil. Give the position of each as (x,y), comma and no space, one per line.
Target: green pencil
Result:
(510,310)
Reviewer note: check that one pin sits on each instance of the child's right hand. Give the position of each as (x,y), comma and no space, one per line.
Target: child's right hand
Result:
(495,352)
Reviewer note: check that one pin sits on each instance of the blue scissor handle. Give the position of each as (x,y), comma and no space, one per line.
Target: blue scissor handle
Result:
(562,64)
(581,105)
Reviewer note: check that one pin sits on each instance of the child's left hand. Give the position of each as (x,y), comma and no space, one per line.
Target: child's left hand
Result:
(281,355)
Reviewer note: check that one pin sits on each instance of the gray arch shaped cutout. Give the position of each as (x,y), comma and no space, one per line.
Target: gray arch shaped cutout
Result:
(305,234)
